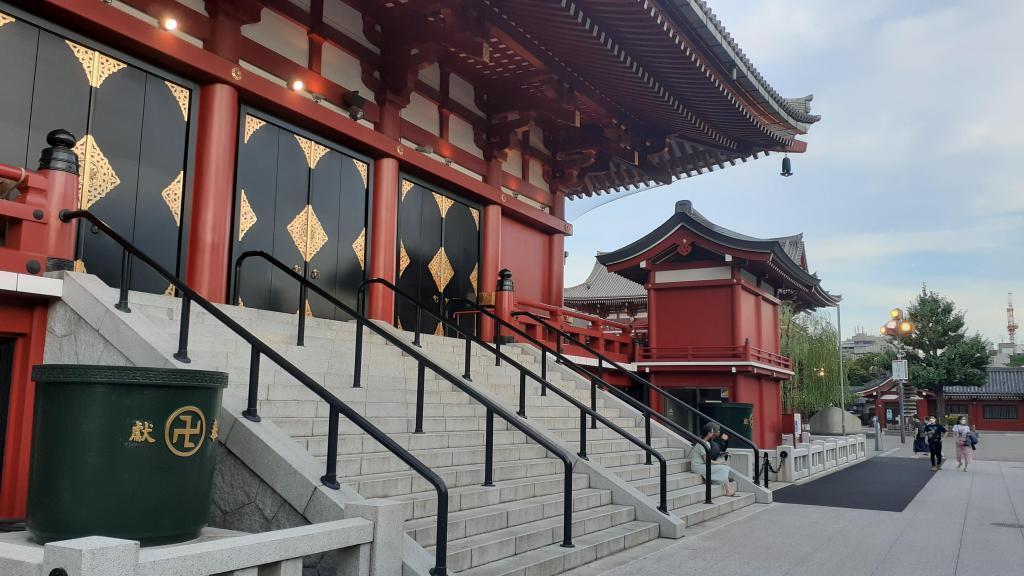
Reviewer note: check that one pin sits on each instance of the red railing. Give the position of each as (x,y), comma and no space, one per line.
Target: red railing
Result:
(614,339)
(32,239)
(713,354)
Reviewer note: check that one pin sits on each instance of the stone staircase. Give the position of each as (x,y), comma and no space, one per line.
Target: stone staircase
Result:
(514,527)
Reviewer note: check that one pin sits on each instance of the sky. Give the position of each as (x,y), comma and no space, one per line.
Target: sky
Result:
(913,175)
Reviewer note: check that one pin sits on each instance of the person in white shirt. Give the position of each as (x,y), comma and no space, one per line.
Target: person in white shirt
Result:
(962,437)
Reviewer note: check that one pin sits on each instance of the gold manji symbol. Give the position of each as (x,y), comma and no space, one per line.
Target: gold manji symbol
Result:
(185,431)
(141,432)
(214,430)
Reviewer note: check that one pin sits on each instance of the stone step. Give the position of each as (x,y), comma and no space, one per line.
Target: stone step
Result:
(553,559)
(635,457)
(424,504)
(652,486)
(473,521)
(390,484)
(696,513)
(363,444)
(482,549)
(641,470)
(379,462)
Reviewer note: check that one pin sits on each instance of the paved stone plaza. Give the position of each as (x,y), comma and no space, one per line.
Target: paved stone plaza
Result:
(959,524)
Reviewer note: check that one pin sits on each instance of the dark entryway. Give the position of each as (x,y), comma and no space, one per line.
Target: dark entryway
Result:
(438,251)
(133,128)
(6,373)
(304,201)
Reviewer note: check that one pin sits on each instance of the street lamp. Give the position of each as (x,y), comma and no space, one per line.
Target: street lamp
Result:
(897,327)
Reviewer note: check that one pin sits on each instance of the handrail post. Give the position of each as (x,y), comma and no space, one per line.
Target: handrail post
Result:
(182,354)
(583,435)
(489,450)
(421,374)
(647,433)
(664,484)
(707,476)
(543,369)
(330,479)
(254,382)
(522,394)
(567,510)
(468,375)
(757,470)
(301,339)
(126,274)
(417,326)
(593,402)
(357,367)
(766,467)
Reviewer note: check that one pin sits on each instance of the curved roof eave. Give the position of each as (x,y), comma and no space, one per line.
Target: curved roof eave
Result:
(794,110)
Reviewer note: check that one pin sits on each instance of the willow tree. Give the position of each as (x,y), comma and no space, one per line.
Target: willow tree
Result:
(810,340)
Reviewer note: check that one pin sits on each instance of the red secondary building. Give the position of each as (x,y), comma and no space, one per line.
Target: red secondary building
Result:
(427,143)
(713,298)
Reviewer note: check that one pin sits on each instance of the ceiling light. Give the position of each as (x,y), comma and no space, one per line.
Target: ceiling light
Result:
(169,24)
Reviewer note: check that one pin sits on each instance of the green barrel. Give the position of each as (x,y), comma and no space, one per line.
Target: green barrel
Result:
(123,452)
(735,415)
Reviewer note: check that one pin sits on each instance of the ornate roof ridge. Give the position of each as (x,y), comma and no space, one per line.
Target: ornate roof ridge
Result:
(798,108)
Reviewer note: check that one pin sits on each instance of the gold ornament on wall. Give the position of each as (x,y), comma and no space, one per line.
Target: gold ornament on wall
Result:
(473,276)
(172,197)
(252,124)
(5,19)
(441,269)
(307,233)
(364,172)
(181,94)
(403,259)
(80,266)
(97,67)
(359,247)
(246,216)
(312,151)
(443,203)
(476,217)
(98,177)
(406,186)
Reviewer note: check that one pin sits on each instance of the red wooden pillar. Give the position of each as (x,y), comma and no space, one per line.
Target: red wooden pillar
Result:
(213,191)
(490,253)
(556,272)
(26,321)
(384,231)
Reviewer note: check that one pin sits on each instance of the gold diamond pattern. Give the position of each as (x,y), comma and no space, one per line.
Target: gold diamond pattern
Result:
(97,67)
(441,269)
(98,177)
(406,186)
(307,233)
(181,94)
(246,217)
(169,291)
(473,276)
(359,247)
(252,124)
(403,259)
(5,19)
(309,311)
(80,266)
(172,196)
(364,172)
(476,217)
(313,151)
(443,203)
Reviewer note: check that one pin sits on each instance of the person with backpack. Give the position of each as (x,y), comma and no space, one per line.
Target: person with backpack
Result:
(935,433)
(965,441)
(920,441)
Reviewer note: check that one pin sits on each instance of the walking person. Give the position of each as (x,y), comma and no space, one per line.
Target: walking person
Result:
(920,441)
(963,435)
(935,433)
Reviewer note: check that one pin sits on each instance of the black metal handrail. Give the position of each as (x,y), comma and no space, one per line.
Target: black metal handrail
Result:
(422,364)
(648,386)
(525,372)
(258,349)
(595,381)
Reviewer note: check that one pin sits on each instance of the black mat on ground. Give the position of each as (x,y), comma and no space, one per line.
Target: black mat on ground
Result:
(886,484)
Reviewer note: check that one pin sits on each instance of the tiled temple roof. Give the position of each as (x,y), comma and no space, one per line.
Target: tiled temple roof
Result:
(603,285)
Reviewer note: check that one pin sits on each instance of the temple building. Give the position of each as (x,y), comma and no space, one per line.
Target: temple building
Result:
(713,298)
(429,144)
(609,296)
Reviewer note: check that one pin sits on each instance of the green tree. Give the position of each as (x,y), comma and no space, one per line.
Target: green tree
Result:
(1016,360)
(809,339)
(867,367)
(940,351)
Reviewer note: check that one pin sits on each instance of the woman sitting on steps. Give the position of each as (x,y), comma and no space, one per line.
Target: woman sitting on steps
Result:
(720,473)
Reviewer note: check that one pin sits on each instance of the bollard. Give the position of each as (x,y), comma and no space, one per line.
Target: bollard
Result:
(878,435)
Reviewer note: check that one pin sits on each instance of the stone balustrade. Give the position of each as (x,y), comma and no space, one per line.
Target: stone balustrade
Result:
(808,459)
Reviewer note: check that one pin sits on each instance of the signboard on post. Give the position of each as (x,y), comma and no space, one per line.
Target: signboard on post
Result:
(899,370)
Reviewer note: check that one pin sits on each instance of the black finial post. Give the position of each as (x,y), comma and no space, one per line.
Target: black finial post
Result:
(505,283)
(60,155)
